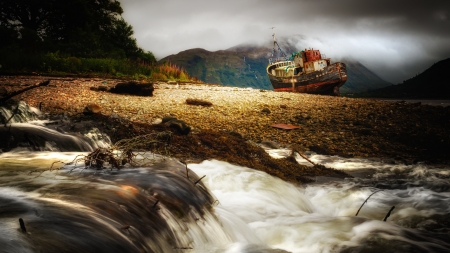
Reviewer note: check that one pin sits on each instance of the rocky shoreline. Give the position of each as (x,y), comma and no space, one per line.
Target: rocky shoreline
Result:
(235,117)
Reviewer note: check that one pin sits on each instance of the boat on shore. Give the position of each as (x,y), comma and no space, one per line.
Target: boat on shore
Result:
(307,71)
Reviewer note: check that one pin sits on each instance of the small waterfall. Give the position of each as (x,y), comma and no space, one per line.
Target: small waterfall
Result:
(18,112)
(160,208)
(155,209)
(26,130)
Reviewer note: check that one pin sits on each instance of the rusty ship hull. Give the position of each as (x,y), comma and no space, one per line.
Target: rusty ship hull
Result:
(324,82)
(306,71)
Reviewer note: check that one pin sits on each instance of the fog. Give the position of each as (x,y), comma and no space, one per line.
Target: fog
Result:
(395,39)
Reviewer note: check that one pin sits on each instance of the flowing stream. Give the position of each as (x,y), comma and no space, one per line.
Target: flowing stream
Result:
(161,208)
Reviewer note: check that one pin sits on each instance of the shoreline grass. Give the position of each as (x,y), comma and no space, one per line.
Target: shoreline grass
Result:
(54,64)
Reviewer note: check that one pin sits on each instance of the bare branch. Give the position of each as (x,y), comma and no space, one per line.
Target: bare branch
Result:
(389,213)
(366,201)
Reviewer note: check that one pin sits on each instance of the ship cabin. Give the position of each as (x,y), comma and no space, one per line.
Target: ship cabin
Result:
(282,68)
(299,63)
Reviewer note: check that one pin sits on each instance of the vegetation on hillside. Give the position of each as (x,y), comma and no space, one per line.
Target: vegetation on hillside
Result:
(73,36)
(225,67)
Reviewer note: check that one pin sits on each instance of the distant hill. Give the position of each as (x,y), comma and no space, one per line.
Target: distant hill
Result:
(233,67)
(433,83)
(360,78)
(245,66)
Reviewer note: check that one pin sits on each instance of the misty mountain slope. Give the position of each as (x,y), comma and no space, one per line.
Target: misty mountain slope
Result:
(230,68)
(360,78)
(433,83)
(245,66)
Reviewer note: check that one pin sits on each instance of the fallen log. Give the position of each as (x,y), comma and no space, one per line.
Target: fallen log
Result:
(15,93)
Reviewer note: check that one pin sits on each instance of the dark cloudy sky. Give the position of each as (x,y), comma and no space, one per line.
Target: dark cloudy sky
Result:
(397,39)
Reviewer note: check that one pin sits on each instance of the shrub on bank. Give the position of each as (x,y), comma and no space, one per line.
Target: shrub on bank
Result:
(53,63)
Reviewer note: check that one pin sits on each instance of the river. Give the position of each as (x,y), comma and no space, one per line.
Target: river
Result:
(168,208)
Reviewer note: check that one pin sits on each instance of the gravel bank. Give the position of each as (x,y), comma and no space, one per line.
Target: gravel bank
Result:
(329,125)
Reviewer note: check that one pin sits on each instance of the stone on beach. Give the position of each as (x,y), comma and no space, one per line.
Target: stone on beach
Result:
(92,109)
(134,88)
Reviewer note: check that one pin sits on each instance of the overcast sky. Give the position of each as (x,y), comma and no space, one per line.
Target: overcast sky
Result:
(397,39)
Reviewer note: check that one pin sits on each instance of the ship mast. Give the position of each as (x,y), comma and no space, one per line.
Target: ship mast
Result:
(275,43)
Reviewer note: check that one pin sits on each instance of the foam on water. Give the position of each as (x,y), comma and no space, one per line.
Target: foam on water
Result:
(158,209)
(255,212)
(321,217)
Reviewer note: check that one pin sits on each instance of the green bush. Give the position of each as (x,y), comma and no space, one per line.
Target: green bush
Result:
(16,60)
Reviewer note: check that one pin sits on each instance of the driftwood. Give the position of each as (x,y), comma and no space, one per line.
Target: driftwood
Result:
(193,101)
(15,93)
(196,182)
(187,169)
(389,213)
(22,225)
(304,157)
(365,201)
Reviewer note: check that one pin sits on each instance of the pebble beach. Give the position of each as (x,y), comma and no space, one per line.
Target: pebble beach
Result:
(348,127)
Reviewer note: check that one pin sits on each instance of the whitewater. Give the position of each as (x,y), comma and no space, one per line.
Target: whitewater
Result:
(214,206)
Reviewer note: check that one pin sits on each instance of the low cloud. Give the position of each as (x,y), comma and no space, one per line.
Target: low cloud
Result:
(395,39)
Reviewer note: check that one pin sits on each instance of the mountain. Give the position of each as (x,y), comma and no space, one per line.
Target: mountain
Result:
(232,67)
(245,66)
(360,78)
(433,83)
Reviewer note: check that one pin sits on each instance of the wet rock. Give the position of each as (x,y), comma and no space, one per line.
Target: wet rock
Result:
(167,119)
(114,116)
(270,144)
(156,121)
(179,126)
(266,110)
(235,134)
(92,109)
(320,150)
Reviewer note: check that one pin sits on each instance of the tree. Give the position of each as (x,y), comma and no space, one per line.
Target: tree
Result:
(82,28)
(19,14)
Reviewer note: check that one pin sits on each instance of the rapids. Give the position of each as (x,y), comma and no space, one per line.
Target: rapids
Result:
(321,217)
(167,208)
